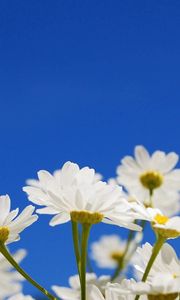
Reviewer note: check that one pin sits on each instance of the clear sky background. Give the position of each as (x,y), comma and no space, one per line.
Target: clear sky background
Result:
(83,81)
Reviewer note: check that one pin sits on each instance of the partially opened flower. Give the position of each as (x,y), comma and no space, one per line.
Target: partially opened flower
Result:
(10,280)
(12,224)
(74,291)
(151,178)
(168,228)
(21,296)
(76,194)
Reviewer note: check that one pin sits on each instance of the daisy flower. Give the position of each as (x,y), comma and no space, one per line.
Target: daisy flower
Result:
(152,176)
(166,227)
(74,291)
(76,194)
(10,280)
(12,225)
(109,250)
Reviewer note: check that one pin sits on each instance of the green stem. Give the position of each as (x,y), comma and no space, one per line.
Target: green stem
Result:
(75,234)
(89,266)
(121,262)
(157,247)
(11,260)
(118,269)
(84,243)
(150,197)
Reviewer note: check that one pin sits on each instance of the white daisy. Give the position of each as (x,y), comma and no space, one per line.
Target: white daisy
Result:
(74,291)
(145,175)
(109,250)
(76,194)
(10,280)
(21,296)
(12,225)
(167,227)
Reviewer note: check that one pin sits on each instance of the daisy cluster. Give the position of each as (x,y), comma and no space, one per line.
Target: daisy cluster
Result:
(145,192)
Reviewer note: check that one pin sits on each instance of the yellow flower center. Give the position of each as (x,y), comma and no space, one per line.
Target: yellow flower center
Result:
(151,180)
(4,234)
(163,297)
(160,219)
(86,217)
(117,255)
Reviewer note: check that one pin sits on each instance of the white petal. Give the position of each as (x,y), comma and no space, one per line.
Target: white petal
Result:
(47,210)
(4,208)
(168,254)
(79,200)
(11,216)
(142,156)
(44,176)
(93,293)
(157,160)
(60,219)
(66,293)
(170,162)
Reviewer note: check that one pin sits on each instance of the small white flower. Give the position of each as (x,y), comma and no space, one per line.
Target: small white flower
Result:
(21,296)
(10,280)
(12,225)
(76,194)
(154,174)
(167,227)
(109,250)
(74,291)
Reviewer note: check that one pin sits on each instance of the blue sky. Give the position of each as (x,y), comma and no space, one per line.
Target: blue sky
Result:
(84,81)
